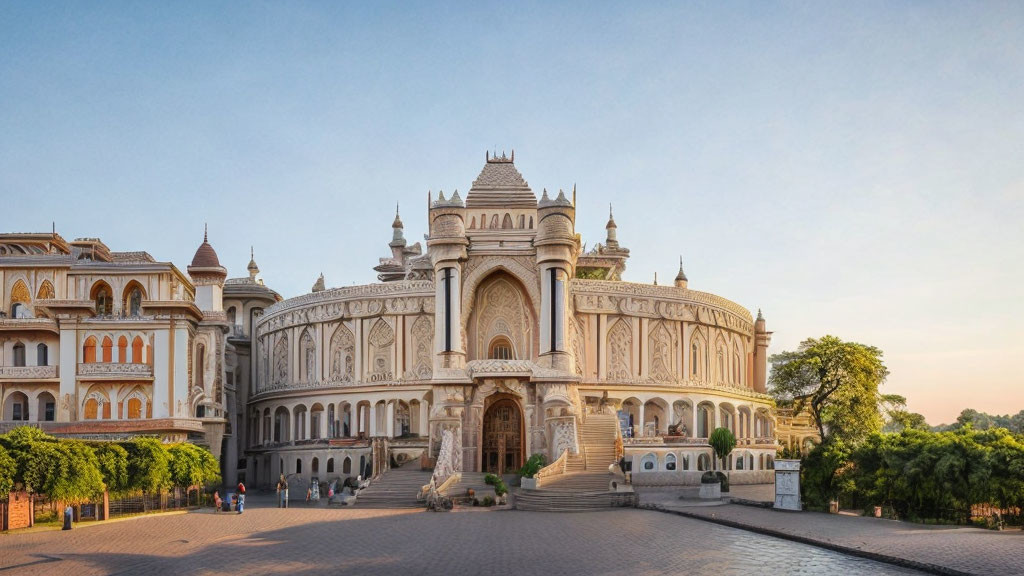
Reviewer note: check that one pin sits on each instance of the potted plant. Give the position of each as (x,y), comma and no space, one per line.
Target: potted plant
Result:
(533,465)
(722,442)
(710,486)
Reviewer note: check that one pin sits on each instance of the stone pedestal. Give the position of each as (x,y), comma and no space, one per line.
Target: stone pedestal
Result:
(711,491)
(787,485)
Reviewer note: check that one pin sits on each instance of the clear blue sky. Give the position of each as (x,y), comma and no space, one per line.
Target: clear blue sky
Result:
(854,169)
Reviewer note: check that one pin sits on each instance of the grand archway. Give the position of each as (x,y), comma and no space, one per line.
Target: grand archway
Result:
(503,437)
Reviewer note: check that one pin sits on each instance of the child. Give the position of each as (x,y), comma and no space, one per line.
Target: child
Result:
(217,501)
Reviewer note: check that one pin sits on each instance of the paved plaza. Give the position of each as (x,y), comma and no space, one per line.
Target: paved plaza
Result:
(302,541)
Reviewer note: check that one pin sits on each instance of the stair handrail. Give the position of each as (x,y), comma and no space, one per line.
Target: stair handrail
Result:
(446,471)
(556,468)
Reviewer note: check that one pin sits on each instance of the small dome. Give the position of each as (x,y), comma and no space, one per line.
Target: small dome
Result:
(252,267)
(398,221)
(206,256)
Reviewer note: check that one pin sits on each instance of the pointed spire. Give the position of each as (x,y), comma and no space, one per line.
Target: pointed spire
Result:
(573,194)
(759,315)
(205,229)
(398,221)
(456,199)
(611,218)
(655,278)
(681,276)
(545,198)
(513,154)
(440,195)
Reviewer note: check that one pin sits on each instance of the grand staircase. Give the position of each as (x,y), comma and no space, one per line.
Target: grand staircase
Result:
(586,483)
(396,488)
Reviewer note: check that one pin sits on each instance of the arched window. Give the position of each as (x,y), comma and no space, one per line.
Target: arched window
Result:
(693,359)
(298,465)
(122,350)
(649,463)
(346,465)
(20,298)
(703,462)
(134,409)
(739,462)
(135,302)
(91,409)
(736,368)
(501,349)
(330,465)
(721,365)
(42,355)
(108,349)
(19,354)
(231,317)
(201,365)
(89,350)
(102,296)
(137,350)
(314,467)
(670,462)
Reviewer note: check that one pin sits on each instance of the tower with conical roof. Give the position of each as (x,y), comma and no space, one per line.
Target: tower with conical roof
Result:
(762,338)
(681,281)
(208,276)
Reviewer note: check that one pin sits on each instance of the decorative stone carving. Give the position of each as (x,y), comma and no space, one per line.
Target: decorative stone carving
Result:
(280,375)
(343,354)
(563,436)
(620,349)
(381,340)
(28,371)
(661,354)
(307,348)
(103,368)
(423,349)
(502,313)
(578,346)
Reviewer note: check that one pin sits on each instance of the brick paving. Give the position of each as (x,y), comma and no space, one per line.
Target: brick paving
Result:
(319,540)
(940,549)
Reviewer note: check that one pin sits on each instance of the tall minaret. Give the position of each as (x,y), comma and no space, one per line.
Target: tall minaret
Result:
(762,338)
(556,258)
(447,246)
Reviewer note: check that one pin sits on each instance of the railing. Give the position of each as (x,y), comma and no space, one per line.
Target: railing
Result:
(29,372)
(556,468)
(114,369)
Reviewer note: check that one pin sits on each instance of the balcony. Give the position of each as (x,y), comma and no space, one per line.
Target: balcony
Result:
(98,370)
(28,372)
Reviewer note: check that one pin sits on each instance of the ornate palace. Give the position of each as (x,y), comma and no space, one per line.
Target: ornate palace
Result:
(505,337)
(497,339)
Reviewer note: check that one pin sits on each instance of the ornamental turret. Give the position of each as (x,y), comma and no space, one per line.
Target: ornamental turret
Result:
(611,240)
(447,247)
(253,269)
(208,277)
(557,248)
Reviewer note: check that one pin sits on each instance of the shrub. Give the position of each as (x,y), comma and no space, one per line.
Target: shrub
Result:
(500,489)
(148,465)
(192,465)
(113,464)
(6,472)
(532,465)
(709,477)
(488,501)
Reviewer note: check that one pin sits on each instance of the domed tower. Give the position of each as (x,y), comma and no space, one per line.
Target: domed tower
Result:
(557,248)
(681,281)
(446,247)
(208,277)
(253,269)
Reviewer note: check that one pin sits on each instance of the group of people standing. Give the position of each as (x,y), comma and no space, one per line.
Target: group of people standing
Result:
(238,498)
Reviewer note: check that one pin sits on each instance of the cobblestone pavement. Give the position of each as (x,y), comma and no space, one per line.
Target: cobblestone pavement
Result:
(302,541)
(950,548)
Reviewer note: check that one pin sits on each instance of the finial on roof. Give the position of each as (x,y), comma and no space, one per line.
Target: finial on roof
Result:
(655,278)
(611,218)
(487,155)
(319,285)
(681,276)
(513,154)
(455,199)
(759,315)
(398,221)
(440,195)
(204,232)
(252,253)
(54,223)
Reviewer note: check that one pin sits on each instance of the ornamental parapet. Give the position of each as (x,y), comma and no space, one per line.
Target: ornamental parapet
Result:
(667,302)
(28,372)
(756,442)
(115,370)
(686,384)
(332,385)
(403,297)
(45,324)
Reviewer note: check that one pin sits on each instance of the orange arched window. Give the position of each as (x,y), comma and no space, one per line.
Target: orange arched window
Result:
(137,350)
(91,409)
(122,349)
(108,349)
(103,297)
(134,409)
(89,350)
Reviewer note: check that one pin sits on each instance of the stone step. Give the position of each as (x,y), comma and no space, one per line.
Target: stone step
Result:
(542,501)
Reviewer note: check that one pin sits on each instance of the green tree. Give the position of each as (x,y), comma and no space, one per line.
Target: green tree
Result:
(113,464)
(192,465)
(722,442)
(900,420)
(837,382)
(148,465)
(66,470)
(7,466)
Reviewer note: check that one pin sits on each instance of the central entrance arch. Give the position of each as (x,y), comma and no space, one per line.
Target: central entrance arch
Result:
(503,437)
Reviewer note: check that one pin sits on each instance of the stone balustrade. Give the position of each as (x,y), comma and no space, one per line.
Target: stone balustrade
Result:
(115,369)
(28,372)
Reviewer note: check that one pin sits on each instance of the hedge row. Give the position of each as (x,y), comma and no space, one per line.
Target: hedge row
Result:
(78,471)
(923,476)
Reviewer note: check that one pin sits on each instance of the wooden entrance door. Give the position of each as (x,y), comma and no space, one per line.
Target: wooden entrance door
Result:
(503,438)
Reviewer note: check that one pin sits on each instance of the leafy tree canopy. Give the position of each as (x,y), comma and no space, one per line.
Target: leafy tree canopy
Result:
(722,442)
(148,465)
(6,472)
(191,465)
(837,382)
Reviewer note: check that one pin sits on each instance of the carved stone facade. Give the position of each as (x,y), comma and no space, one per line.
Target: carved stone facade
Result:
(494,344)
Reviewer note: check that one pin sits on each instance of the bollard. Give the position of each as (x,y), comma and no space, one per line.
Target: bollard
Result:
(67,518)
